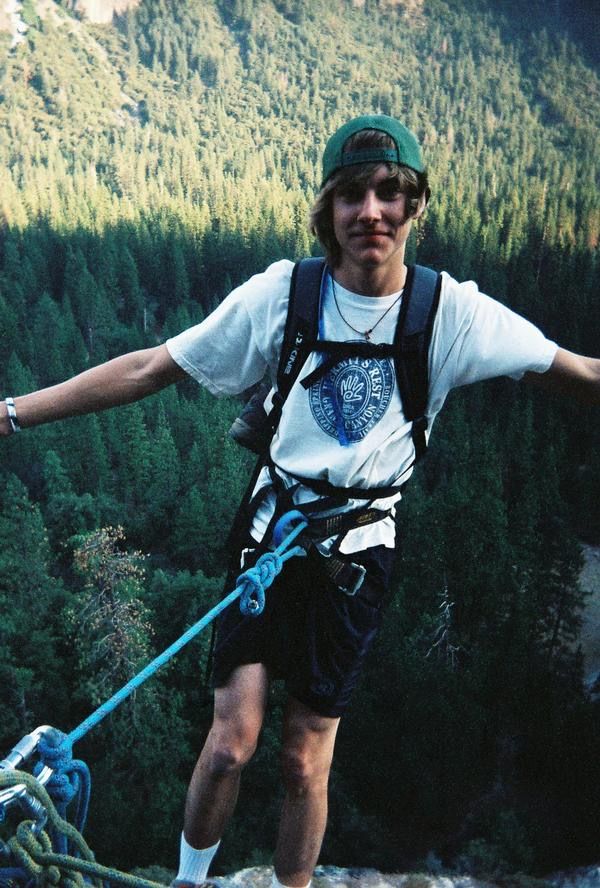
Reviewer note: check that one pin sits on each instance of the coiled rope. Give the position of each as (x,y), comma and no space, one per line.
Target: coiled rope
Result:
(33,851)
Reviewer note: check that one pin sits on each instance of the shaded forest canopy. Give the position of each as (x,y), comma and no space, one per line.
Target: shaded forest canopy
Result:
(145,169)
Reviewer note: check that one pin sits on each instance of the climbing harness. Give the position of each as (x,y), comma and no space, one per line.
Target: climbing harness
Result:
(46,849)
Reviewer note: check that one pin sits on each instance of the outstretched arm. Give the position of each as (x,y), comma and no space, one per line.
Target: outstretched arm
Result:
(120,381)
(571,374)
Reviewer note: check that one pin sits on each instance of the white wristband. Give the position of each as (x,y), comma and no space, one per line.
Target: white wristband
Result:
(12,414)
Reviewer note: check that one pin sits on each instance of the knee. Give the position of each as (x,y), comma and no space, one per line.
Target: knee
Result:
(229,754)
(303,772)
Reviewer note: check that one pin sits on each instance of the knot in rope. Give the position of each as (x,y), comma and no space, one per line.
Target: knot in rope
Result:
(32,854)
(62,788)
(34,850)
(56,752)
(255,580)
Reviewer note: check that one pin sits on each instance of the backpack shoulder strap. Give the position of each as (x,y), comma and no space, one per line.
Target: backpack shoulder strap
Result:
(302,323)
(411,341)
(413,336)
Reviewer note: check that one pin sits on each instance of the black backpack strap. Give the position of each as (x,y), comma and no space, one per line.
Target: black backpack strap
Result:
(302,324)
(413,335)
(300,334)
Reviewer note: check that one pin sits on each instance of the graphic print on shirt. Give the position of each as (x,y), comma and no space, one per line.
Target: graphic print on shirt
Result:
(352,397)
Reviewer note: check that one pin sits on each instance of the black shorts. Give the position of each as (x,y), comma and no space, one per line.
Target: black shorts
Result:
(310,633)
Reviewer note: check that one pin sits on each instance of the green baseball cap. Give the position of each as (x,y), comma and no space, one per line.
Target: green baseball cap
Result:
(406,152)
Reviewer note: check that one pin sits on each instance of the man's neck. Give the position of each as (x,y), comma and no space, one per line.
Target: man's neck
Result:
(371,281)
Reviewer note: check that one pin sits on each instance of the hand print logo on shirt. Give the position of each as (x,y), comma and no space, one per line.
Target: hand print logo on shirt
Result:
(352,397)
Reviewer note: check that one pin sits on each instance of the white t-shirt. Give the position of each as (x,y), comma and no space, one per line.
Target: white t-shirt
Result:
(349,428)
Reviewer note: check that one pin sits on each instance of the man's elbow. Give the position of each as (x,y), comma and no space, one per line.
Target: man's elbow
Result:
(572,375)
(153,369)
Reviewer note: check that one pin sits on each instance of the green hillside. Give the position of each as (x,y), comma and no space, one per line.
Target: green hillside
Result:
(145,169)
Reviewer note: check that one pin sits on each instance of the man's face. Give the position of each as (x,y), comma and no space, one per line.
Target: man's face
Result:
(370,221)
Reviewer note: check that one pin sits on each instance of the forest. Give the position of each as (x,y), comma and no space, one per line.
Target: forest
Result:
(148,167)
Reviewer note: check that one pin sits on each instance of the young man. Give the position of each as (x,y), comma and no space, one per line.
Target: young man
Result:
(344,434)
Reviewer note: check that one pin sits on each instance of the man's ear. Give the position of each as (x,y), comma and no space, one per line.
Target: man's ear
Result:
(422,203)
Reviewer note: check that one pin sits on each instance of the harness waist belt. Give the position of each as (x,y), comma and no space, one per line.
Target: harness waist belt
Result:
(322,528)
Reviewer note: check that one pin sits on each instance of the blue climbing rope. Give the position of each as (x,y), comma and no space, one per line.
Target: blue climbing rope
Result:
(255,580)
(69,779)
(250,589)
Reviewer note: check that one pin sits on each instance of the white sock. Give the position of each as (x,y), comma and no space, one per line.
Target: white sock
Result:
(277,884)
(193,863)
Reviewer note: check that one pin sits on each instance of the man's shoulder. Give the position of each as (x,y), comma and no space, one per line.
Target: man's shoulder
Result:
(282,267)
(460,302)
(273,281)
(459,292)
(277,272)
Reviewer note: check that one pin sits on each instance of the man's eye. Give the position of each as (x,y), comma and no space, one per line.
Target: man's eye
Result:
(389,191)
(350,195)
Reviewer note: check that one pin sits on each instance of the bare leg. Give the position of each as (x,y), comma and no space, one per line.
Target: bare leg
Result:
(213,790)
(308,742)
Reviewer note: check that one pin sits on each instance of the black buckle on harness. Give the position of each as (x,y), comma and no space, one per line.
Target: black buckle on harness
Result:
(359,574)
(346,575)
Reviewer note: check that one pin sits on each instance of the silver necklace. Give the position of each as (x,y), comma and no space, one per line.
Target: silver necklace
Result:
(365,333)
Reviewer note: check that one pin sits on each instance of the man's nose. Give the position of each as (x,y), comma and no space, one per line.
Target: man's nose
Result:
(369,209)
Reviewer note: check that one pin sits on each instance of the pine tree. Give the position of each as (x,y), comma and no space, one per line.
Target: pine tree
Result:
(31,601)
